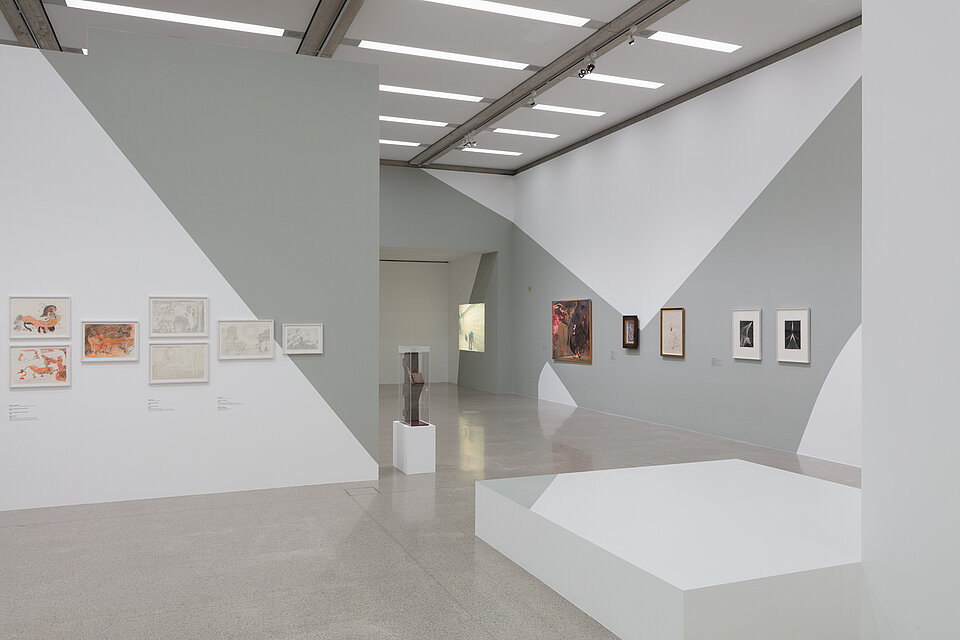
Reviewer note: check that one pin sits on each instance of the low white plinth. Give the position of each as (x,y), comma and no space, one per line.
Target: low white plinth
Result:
(414,448)
(723,550)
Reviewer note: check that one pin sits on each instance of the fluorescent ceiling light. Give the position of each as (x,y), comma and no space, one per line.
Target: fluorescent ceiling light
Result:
(532,134)
(519,12)
(495,152)
(570,110)
(426,123)
(400,143)
(441,55)
(430,94)
(643,84)
(690,41)
(167,16)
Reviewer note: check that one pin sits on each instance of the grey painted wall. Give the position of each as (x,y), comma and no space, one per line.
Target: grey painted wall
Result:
(269,161)
(418,211)
(798,245)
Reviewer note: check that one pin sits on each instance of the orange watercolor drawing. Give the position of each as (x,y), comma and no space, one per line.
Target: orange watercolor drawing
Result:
(109,340)
(46,323)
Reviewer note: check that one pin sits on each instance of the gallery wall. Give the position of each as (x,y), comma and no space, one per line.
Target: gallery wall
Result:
(415,311)
(144,169)
(717,204)
(911,276)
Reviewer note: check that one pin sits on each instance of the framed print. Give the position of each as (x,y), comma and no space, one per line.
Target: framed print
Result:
(746,334)
(179,363)
(179,317)
(631,332)
(40,366)
(302,339)
(793,335)
(40,317)
(110,341)
(672,332)
(572,328)
(246,340)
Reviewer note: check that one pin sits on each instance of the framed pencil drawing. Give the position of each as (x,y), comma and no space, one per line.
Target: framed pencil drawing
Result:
(302,339)
(746,334)
(187,317)
(672,332)
(179,363)
(246,340)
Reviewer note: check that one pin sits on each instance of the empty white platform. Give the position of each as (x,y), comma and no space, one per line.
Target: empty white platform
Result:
(414,448)
(720,550)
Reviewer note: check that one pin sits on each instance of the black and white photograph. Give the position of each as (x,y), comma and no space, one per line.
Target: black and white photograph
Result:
(793,335)
(746,334)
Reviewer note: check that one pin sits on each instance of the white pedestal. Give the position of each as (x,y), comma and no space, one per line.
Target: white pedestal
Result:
(724,550)
(414,448)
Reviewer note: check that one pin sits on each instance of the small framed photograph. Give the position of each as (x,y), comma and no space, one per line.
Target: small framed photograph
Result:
(631,332)
(34,367)
(40,317)
(182,363)
(793,335)
(302,339)
(110,341)
(187,317)
(672,332)
(746,334)
(246,340)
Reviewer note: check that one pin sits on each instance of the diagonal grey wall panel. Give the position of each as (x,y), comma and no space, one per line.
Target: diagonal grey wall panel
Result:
(270,162)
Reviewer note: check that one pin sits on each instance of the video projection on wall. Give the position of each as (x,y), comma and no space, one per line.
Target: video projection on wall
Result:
(471,327)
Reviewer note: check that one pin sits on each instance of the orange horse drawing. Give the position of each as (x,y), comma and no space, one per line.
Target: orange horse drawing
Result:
(46,323)
(51,366)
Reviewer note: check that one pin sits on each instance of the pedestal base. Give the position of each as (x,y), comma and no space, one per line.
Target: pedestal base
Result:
(724,550)
(414,448)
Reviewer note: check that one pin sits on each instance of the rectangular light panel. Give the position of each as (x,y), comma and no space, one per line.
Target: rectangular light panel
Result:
(441,55)
(531,134)
(430,94)
(643,84)
(690,41)
(495,152)
(570,110)
(400,143)
(425,123)
(518,12)
(166,16)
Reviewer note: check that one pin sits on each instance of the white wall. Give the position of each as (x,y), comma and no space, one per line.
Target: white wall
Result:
(94,230)
(911,302)
(463,273)
(414,310)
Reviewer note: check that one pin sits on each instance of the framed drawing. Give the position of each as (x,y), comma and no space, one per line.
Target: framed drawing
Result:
(179,317)
(302,339)
(672,332)
(471,317)
(746,334)
(793,335)
(631,332)
(179,363)
(246,340)
(573,331)
(40,317)
(110,341)
(40,366)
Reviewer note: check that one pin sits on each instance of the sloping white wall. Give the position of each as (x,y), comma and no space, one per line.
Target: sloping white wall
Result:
(648,203)
(80,221)
(414,311)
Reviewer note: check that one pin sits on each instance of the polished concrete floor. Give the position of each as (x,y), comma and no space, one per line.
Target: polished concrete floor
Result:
(391,559)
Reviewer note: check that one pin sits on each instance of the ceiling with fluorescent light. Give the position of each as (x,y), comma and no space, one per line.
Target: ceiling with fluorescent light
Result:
(762,28)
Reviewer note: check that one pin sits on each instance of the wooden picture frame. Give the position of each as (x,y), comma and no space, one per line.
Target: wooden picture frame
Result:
(673,338)
(630,332)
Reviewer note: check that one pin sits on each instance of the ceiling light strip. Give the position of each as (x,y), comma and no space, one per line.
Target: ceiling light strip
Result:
(495,152)
(167,16)
(399,143)
(643,84)
(569,110)
(690,41)
(425,123)
(441,55)
(518,12)
(531,134)
(426,93)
